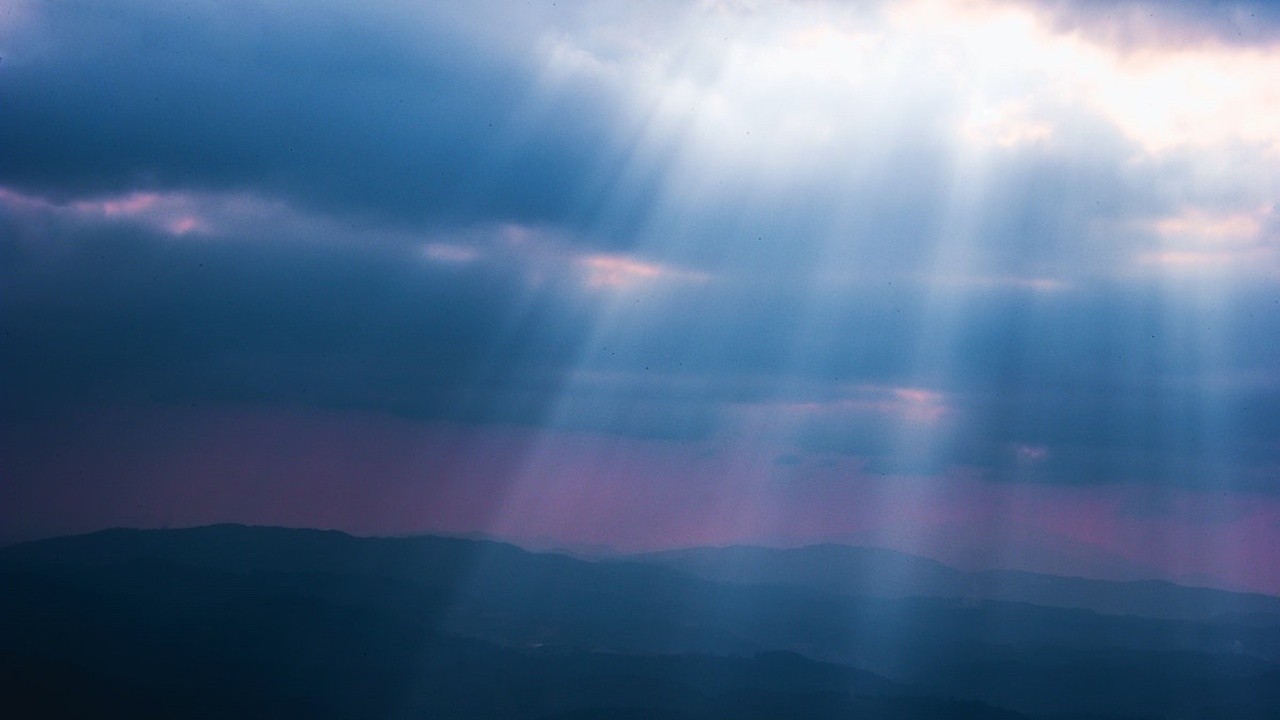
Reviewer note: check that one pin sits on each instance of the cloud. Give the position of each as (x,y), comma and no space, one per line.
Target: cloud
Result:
(1228,242)
(937,236)
(620,272)
(447,253)
(1210,508)
(1134,24)
(834,136)
(392,111)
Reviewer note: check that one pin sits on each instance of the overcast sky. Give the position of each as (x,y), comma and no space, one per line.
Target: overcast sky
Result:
(994,281)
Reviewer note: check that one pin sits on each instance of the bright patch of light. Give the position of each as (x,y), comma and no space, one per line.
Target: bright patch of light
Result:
(1199,225)
(1161,97)
(1199,240)
(1006,125)
(784,85)
(1195,97)
(621,272)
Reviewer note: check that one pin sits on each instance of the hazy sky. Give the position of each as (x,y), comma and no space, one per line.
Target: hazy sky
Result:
(994,281)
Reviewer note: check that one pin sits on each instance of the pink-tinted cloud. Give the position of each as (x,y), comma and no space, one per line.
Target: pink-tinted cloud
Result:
(172,213)
(616,272)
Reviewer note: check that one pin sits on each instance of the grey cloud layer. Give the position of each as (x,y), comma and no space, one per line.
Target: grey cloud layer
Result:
(1134,23)
(113,316)
(819,296)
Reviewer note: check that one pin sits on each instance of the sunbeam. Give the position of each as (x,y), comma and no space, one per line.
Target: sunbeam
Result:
(931,342)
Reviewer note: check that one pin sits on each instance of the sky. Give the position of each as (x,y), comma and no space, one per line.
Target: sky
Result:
(993,281)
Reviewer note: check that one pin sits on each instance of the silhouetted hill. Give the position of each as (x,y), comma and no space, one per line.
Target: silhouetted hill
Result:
(233,621)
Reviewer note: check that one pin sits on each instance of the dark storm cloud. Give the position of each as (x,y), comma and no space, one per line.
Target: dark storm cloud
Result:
(1135,23)
(402,114)
(125,316)
(1113,383)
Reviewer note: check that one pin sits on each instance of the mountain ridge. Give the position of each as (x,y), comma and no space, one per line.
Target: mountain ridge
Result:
(851,570)
(327,620)
(884,572)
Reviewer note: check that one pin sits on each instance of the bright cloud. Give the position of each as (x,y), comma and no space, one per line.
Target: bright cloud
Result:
(620,272)
(1197,225)
(1199,239)
(1196,97)
(781,83)
(1006,125)
(1162,98)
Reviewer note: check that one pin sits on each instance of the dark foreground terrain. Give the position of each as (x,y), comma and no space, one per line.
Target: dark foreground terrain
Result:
(231,621)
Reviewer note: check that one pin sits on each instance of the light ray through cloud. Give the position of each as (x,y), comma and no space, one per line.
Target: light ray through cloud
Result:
(935,274)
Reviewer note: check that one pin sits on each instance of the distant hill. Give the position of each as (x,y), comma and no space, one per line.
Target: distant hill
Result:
(1009,546)
(877,572)
(237,621)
